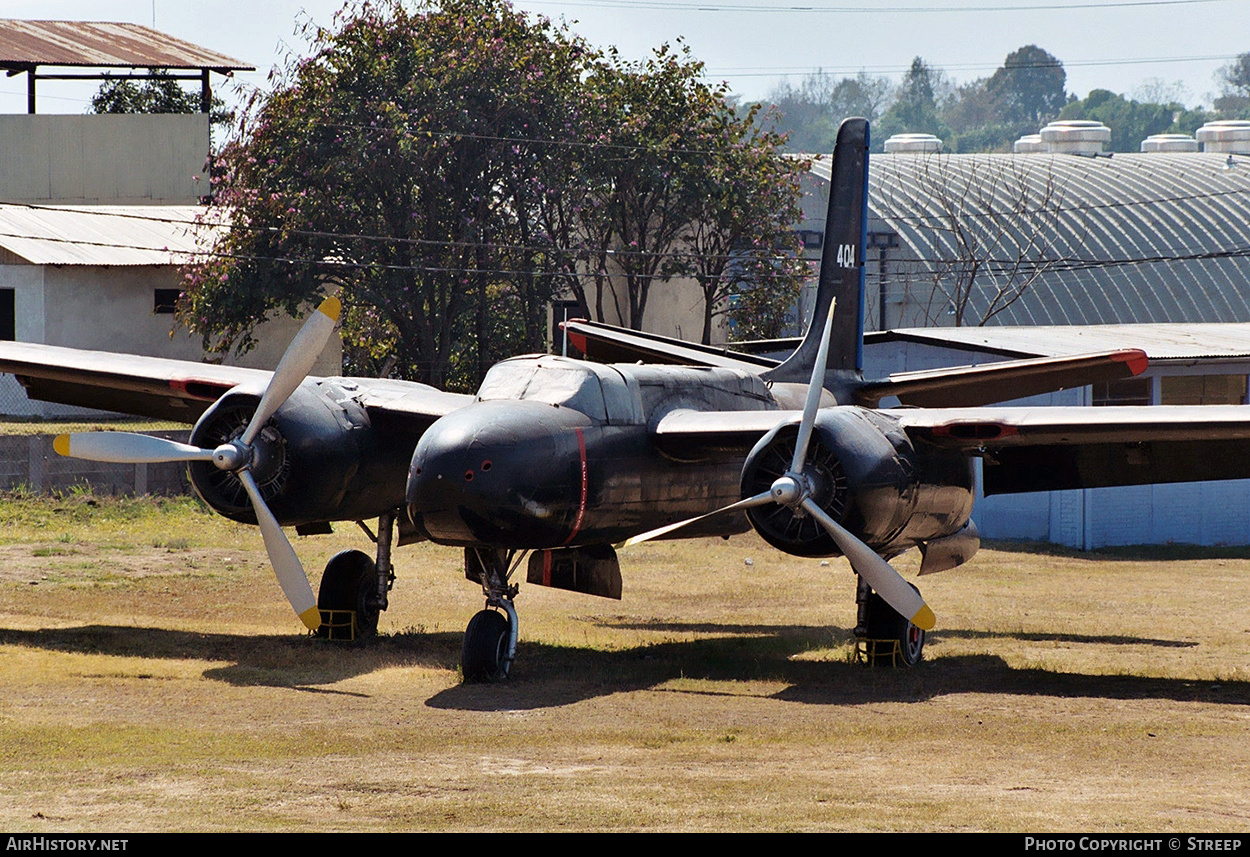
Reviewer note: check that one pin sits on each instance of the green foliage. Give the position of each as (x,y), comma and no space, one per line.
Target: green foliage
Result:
(1234,98)
(1029,87)
(159,94)
(399,164)
(1130,121)
(915,110)
(448,171)
(810,113)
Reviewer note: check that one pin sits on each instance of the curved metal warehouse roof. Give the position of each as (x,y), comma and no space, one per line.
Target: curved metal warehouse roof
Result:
(1157,237)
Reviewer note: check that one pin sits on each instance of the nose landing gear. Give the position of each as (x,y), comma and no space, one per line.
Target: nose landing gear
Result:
(491,637)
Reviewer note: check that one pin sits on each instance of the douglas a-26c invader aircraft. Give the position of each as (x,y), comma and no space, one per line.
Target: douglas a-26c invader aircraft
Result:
(563,459)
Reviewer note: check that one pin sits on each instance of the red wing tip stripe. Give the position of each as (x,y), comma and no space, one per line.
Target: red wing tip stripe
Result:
(1135,359)
(975,431)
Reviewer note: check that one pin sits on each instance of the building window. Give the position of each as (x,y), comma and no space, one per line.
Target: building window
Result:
(165,301)
(812,240)
(1202,390)
(1130,391)
(8,315)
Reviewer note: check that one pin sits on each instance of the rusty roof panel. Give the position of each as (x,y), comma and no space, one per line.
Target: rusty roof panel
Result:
(99,43)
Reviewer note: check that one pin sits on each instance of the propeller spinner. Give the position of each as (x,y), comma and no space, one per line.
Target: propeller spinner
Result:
(235,456)
(794,490)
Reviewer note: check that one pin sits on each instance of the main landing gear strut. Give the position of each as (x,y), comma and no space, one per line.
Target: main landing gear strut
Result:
(883,637)
(490,639)
(354,587)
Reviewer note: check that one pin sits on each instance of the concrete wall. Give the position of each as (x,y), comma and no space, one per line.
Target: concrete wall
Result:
(104,308)
(31,462)
(109,158)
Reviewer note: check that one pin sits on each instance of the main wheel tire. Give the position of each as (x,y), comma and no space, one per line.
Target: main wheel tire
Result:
(891,639)
(485,654)
(349,582)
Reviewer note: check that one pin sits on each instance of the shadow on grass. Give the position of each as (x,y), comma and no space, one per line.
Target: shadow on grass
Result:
(547,676)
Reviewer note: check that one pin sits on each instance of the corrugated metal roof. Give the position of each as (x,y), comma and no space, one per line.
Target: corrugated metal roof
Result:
(98,43)
(1132,238)
(102,234)
(1159,341)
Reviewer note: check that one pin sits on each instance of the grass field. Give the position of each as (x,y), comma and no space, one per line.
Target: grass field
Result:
(153,678)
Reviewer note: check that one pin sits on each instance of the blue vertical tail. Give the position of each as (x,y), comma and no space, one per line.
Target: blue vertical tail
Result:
(841,265)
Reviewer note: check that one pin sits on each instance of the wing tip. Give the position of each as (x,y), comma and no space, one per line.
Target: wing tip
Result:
(1134,358)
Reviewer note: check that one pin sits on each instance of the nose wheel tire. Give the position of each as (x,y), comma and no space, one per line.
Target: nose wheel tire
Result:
(485,654)
(349,583)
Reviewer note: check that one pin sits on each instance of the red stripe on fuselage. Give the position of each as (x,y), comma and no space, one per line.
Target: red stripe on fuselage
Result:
(581,503)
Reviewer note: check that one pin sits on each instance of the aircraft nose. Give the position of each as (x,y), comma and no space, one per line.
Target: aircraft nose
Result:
(501,473)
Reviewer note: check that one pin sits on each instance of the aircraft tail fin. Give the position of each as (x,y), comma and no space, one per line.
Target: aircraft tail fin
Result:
(841,264)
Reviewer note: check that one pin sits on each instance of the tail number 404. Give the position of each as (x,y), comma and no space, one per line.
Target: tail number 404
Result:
(846,255)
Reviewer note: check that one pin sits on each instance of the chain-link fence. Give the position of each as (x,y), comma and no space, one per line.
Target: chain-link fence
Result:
(28,461)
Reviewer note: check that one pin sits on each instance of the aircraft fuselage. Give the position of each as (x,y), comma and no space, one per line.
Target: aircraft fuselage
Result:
(559,453)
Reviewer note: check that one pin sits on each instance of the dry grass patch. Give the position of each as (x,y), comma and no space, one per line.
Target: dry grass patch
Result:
(152,678)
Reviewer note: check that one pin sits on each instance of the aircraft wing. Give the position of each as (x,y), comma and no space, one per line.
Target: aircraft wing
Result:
(969,386)
(607,344)
(1052,448)
(182,390)
(691,435)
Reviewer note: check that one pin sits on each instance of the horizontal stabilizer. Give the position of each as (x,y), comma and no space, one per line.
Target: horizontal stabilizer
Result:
(607,344)
(971,386)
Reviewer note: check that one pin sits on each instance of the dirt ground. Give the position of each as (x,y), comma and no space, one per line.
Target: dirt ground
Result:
(160,683)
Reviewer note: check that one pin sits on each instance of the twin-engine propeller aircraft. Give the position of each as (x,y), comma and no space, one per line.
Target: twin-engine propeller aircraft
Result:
(564,459)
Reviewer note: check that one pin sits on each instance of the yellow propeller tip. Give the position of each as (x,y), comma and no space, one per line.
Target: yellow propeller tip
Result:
(924,618)
(61,444)
(311,618)
(331,307)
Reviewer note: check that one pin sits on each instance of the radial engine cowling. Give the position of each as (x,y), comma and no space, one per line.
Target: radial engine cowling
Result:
(865,473)
(311,459)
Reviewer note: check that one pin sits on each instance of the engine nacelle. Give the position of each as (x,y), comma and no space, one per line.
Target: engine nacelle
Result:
(317,459)
(868,476)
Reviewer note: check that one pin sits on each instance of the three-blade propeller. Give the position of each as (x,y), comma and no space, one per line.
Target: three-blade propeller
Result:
(236,455)
(794,491)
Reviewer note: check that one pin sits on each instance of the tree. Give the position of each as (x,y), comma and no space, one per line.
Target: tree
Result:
(741,244)
(1029,87)
(399,164)
(644,186)
(1130,121)
(915,108)
(161,93)
(1233,101)
(681,185)
(987,231)
(810,114)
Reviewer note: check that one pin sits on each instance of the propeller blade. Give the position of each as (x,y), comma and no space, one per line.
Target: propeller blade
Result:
(881,576)
(286,564)
(814,389)
(757,500)
(295,364)
(126,448)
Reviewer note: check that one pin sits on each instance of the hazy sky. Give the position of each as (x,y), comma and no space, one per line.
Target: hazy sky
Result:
(1114,44)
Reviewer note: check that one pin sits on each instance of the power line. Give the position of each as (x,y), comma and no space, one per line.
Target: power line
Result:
(668,5)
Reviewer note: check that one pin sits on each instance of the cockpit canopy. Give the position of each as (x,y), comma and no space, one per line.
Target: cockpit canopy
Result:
(549,379)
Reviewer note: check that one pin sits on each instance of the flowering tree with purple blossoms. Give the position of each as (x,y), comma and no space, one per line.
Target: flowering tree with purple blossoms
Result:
(391,165)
